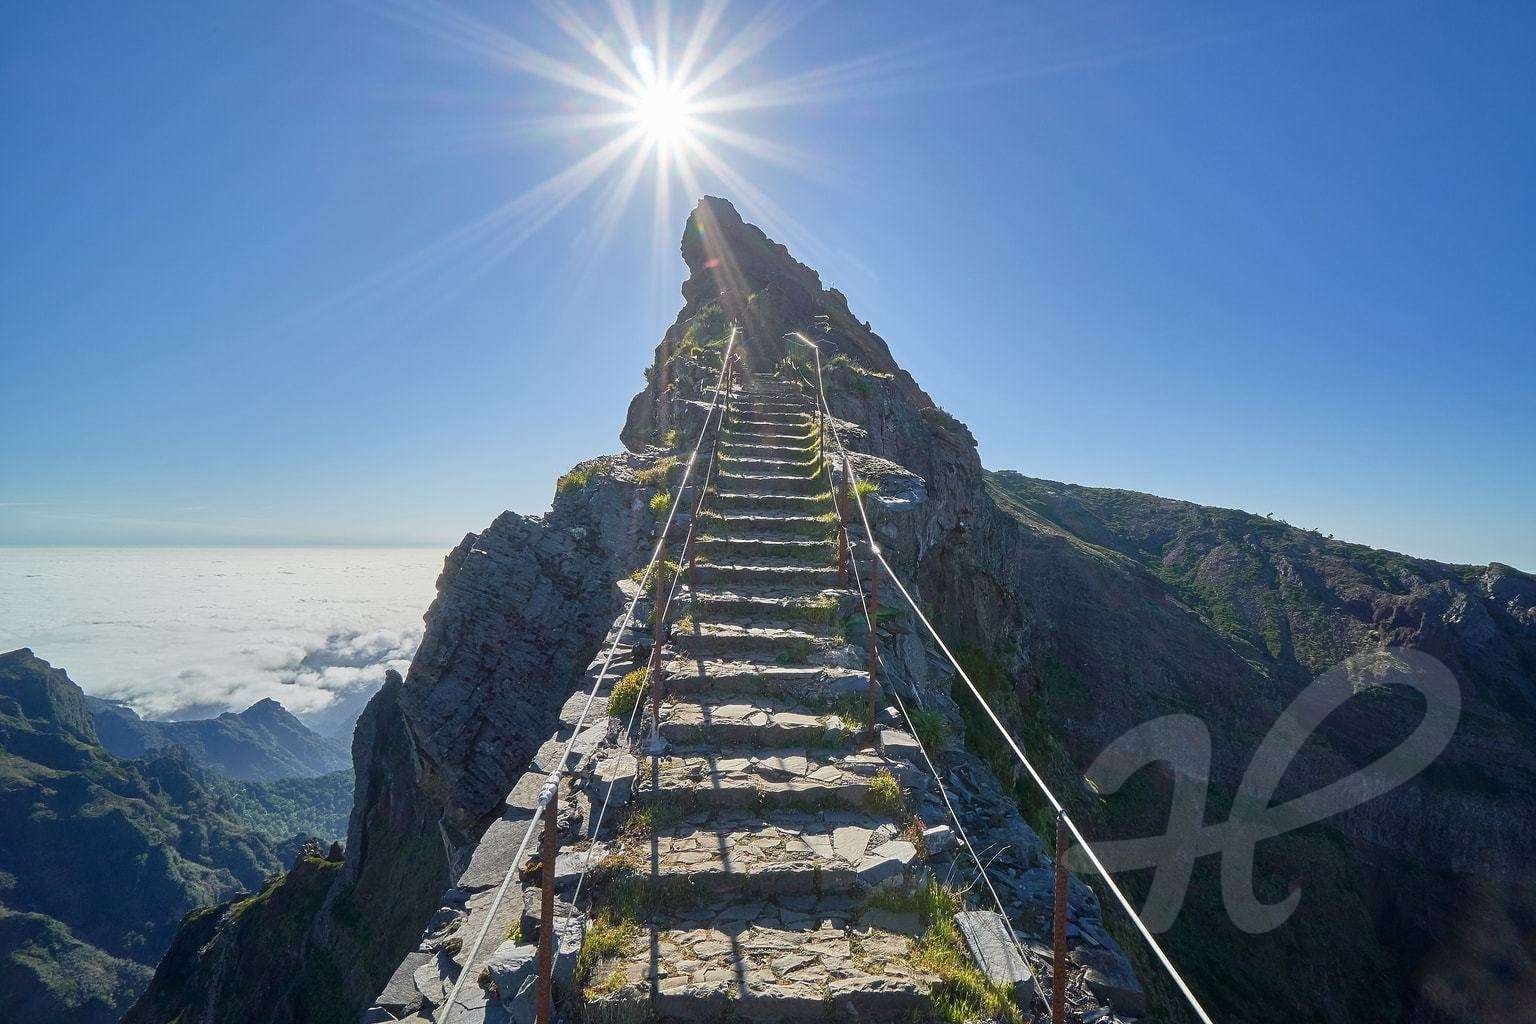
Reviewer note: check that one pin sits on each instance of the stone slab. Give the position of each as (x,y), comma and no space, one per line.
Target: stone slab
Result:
(493,855)
(990,941)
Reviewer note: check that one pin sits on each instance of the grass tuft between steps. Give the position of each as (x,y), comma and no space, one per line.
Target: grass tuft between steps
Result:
(931,728)
(886,795)
(963,992)
(661,504)
(621,701)
(607,937)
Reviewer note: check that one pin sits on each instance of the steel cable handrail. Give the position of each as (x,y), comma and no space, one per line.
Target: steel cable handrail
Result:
(639,702)
(965,839)
(1018,752)
(981,869)
(552,781)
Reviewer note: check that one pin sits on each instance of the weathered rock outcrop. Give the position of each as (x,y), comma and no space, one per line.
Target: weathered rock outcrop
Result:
(1129,606)
(249,959)
(519,608)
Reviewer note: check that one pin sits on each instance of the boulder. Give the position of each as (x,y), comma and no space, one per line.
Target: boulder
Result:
(939,839)
(1110,978)
(400,996)
(510,977)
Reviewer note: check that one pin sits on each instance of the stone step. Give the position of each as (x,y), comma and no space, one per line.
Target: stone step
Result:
(743,721)
(805,444)
(798,958)
(772,464)
(761,642)
(760,779)
(755,502)
(766,601)
(770,483)
(753,423)
(767,417)
(735,675)
(803,549)
(797,412)
(783,853)
(753,431)
(757,571)
(804,455)
(769,524)
(733,449)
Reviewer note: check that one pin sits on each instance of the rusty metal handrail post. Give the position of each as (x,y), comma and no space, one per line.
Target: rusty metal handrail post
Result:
(546,964)
(1059,927)
(690,552)
(874,654)
(658,631)
(842,526)
(693,581)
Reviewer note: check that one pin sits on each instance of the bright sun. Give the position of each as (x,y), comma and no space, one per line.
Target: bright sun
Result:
(663,113)
(659,103)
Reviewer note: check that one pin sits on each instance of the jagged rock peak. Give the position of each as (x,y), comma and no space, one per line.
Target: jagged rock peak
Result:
(737,274)
(758,284)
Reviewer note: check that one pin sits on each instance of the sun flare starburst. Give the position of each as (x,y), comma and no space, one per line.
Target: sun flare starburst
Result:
(649,96)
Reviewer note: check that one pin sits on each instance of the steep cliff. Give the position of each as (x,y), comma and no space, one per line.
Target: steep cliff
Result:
(519,608)
(1092,613)
(1412,903)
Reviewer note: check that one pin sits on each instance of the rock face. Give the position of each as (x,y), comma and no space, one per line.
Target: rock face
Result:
(1233,614)
(267,932)
(260,744)
(101,857)
(1079,615)
(520,607)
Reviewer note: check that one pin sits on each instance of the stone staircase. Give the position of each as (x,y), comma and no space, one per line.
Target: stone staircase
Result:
(770,817)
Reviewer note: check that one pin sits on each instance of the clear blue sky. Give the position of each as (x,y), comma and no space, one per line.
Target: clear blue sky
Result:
(1282,260)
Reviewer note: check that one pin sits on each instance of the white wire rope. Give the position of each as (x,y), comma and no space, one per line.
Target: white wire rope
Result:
(629,728)
(954,816)
(1082,841)
(552,781)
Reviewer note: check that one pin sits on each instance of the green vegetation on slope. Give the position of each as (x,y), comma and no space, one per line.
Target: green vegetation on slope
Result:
(257,946)
(285,808)
(48,974)
(102,856)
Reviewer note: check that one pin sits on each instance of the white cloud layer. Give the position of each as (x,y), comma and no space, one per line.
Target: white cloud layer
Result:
(187,633)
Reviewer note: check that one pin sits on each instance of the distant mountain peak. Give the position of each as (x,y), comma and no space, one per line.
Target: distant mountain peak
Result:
(271,711)
(262,743)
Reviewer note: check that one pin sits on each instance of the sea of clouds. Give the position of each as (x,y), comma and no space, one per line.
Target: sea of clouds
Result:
(190,633)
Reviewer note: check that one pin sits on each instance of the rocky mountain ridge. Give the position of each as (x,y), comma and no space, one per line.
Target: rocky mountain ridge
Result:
(1079,615)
